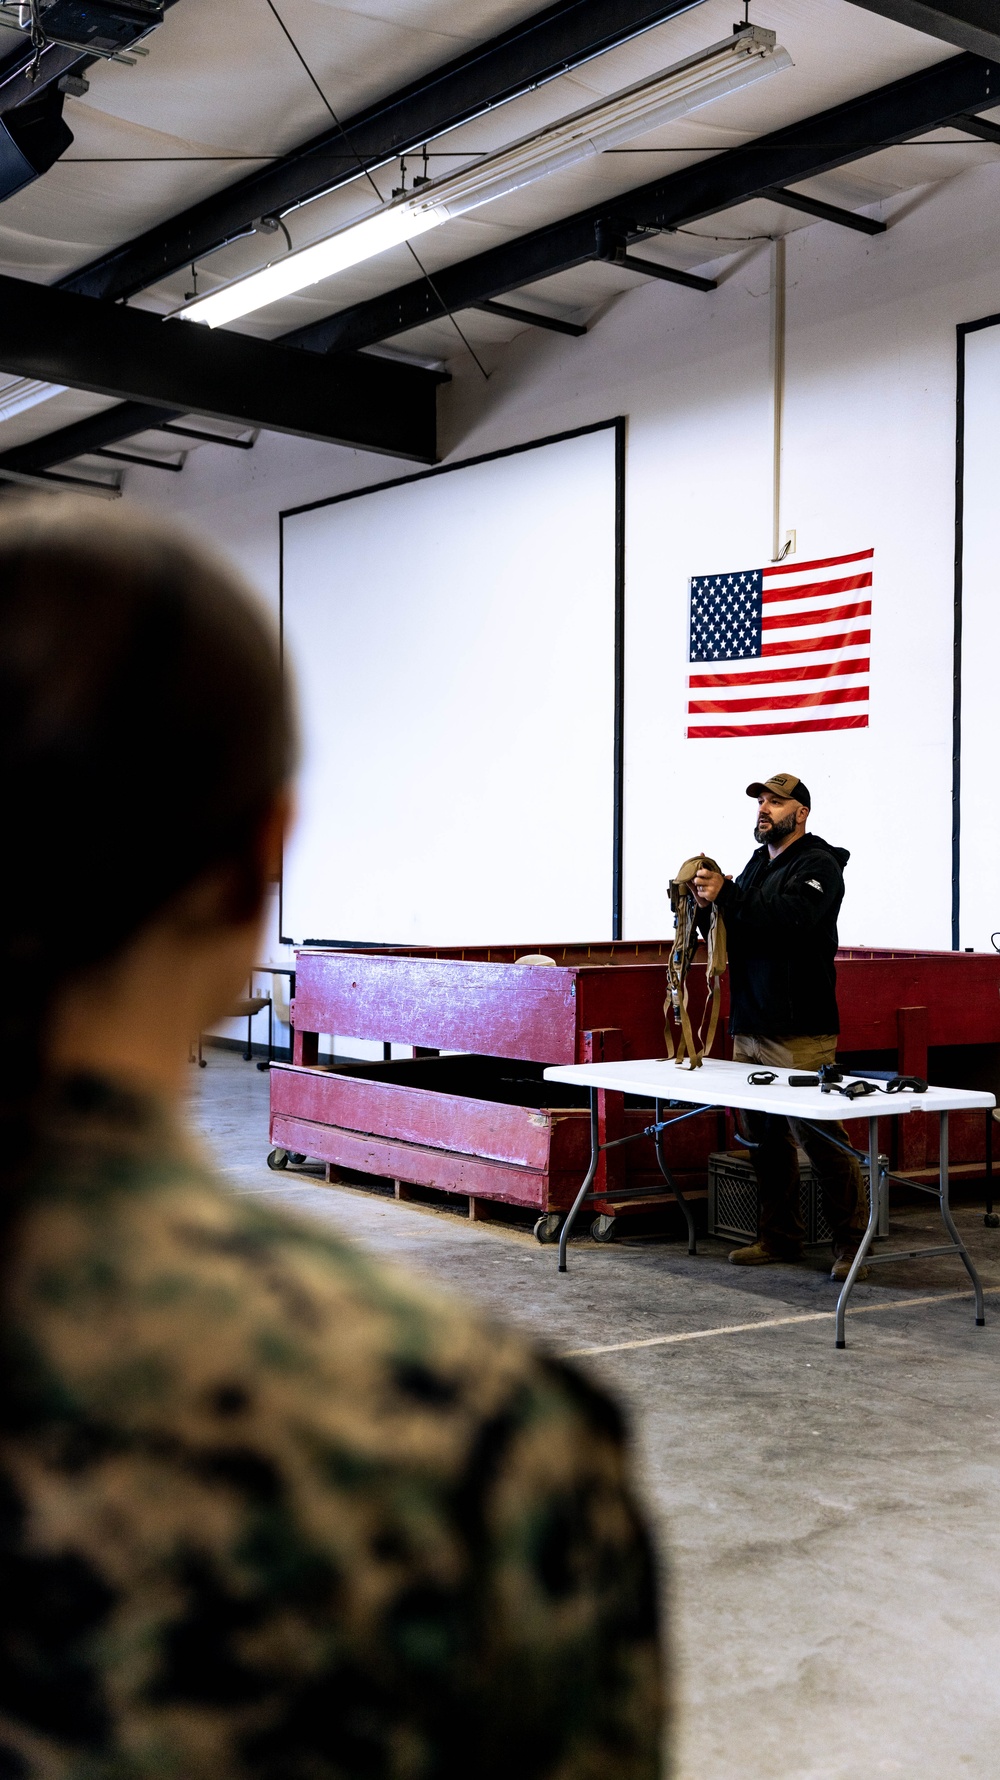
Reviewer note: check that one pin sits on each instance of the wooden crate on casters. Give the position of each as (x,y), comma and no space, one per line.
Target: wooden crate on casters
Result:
(483,1124)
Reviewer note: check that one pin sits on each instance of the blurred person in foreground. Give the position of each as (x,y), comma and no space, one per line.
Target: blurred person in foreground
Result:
(267,1508)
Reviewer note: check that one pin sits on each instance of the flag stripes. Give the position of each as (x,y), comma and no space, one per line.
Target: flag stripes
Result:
(849,640)
(741,622)
(765,676)
(796,728)
(776,569)
(850,584)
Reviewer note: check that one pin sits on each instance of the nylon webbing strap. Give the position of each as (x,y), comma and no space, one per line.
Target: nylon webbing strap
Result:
(687,1048)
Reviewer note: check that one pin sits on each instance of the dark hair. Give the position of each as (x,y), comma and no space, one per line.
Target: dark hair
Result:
(144,733)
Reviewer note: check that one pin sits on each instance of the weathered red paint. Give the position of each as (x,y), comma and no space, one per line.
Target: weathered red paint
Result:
(518,1135)
(960,990)
(448,1170)
(563,1138)
(598,1000)
(499,1010)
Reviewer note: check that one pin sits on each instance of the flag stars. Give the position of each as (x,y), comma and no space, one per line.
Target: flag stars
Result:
(726,616)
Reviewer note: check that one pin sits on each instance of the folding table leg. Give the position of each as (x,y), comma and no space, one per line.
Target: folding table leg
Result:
(949,1222)
(876,1187)
(675,1189)
(595,1156)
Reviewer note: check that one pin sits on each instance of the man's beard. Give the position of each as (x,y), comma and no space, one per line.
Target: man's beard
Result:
(775,831)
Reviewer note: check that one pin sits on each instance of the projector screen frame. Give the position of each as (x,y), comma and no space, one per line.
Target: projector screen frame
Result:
(617,424)
(962,332)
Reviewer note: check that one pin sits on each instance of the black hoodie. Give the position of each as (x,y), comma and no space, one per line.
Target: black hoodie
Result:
(781,924)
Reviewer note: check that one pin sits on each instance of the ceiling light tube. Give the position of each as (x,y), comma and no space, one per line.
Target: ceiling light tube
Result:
(18,394)
(750,54)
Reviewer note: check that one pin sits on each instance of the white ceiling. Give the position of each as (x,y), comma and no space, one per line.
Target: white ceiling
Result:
(221,89)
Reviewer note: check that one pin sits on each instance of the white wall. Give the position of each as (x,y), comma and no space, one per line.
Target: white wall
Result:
(869,459)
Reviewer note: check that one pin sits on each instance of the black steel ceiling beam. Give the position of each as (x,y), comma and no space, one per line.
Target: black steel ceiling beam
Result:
(848,219)
(371,403)
(16,86)
(532,317)
(971,24)
(611,246)
(190,432)
(123,421)
(132,457)
(979,126)
(669,274)
(549,43)
(57,484)
(106,428)
(891,114)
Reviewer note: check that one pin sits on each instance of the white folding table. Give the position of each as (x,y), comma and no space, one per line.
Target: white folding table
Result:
(724,1084)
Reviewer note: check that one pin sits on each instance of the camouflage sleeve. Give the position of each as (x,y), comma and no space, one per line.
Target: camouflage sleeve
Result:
(535,1653)
(569,1680)
(268,1512)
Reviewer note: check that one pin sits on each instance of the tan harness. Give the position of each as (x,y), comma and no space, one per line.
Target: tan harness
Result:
(686,939)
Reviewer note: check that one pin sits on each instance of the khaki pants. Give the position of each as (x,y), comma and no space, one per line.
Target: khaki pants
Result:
(776,1165)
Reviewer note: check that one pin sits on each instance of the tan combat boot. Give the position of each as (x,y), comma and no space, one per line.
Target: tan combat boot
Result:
(761,1254)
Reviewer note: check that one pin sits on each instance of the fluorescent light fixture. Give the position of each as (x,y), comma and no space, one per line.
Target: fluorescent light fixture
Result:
(18,394)
(748,55)
(362,241)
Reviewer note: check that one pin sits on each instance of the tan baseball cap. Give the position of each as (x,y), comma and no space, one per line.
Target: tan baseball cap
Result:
(783,785)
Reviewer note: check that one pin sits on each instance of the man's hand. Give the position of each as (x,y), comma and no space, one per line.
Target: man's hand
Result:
(707,885)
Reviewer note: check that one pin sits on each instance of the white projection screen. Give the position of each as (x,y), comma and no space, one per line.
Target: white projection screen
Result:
(978,839)
(456,638)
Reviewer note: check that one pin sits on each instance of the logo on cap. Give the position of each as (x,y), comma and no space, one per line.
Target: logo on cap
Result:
(783,785)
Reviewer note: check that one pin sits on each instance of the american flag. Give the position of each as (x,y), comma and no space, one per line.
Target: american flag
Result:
(781,650)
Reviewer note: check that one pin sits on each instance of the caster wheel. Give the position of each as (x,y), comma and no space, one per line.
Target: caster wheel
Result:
(992,1220)
(548,1226)
(247,1056)
(278,1159)
(263,1067)
(202,1062)
(603,1228)
(296,1158)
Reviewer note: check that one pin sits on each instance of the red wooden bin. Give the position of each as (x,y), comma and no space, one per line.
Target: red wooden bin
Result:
(483,1123)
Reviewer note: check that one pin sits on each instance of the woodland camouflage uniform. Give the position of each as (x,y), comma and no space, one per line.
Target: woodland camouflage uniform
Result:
(268,1509)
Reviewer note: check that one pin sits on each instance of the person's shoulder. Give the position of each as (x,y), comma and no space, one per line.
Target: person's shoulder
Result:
(422,1349)
(223,1298)
(231,1409)
(815,856)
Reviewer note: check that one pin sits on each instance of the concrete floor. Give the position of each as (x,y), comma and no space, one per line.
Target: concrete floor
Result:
(827,1518)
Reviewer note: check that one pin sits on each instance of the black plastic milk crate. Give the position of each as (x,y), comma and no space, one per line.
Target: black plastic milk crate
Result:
(732,1199)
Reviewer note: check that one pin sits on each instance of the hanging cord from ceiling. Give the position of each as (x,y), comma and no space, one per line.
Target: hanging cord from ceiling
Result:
(39,40)
(696,235)
(367,175)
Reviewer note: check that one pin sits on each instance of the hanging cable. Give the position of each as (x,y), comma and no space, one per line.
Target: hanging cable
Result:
(367,175)
(39,41)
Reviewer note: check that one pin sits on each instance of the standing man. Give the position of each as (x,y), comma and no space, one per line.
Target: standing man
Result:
(781,928)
